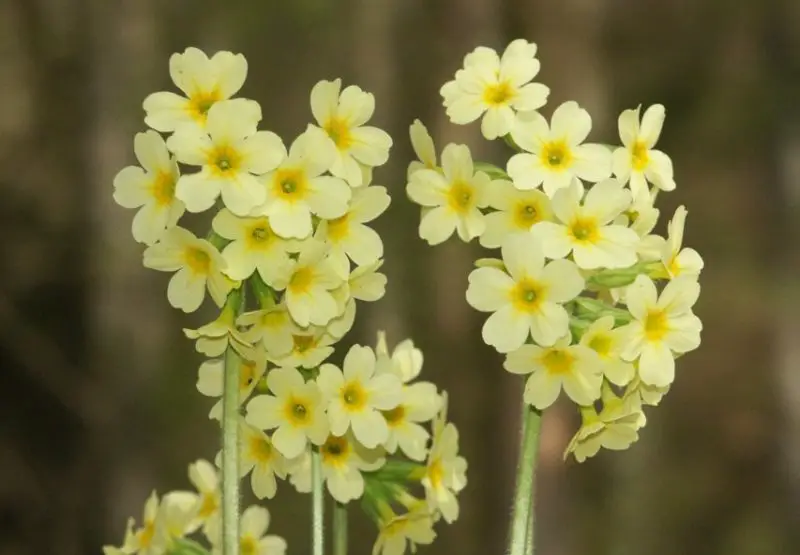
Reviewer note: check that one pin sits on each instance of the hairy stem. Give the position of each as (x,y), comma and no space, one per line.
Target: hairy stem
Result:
(339,529)
(317,505)
(521,537)
(230,455)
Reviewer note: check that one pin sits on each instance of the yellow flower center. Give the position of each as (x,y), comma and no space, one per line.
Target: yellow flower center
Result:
(303,343)
(601,344)
(290,184)
(435,473)
(163,188)
(556,155)
(201,102)
(461,197)
(339,228)
(527,296)
(261,449)
(499,94)
(274,318)
(396,416)
(259,235)
(656,325)
(208,506)
(335,451)
(223,160)
(558,361)
(297,411)
(673,266)
(147,533)
(339,131)
(640,156)
(197,260)
(526,214)
(354,396)
(248,546)
(584,230)
(301,280)
(247,373)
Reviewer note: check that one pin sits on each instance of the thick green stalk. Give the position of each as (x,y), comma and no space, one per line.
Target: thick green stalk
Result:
(521,540)
(317,505)
(230,455)
(339,529)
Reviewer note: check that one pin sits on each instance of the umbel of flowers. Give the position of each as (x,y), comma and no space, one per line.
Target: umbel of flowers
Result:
(286,255)
(582,297)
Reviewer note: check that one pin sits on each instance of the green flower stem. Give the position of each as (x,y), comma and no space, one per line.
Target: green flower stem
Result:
(317,505)
(230,436)
(521,540)
(339,529)
(230,455)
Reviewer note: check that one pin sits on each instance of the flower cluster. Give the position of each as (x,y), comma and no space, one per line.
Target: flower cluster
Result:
(288,225)
(169,522)
(584,297)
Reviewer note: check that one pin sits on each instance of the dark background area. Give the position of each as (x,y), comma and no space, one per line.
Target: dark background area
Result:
(97,398)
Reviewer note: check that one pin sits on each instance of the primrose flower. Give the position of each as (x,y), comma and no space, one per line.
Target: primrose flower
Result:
(297,189)
(347,235)
(231,153)
(554,154)
(574,368)
(663,324)
(343,461)
(144,539)
(516,212)
(253,538)
(677,260)
(342,117)
(445,473)
(295,408)
(495,87)
(151,187)
(211,375)
(254,247)
(586,230)
(637,161)
(272,328)
(450,200)
(525,299)
(309,281)
(356,396)
(198,265)
(607,342)
(204,81)
(205,479)
(262,460)
(410,529)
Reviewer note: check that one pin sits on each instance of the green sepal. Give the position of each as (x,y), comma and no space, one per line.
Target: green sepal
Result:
(184,546)
(491,170)
(592,309)
(265,295)
(397,471)
(217,240)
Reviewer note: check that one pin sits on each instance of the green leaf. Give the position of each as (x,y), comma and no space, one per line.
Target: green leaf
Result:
(491,170)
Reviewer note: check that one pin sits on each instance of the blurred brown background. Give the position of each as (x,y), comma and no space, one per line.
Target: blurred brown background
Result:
(97,399)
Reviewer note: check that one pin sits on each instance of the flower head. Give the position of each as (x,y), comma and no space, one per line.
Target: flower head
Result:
(450,199)
(198,265)
(151,187)
(516,212)
(677,260)
(607,342)
(495,87)
(343,461)
(586,229)
(526,298)
(231,153)
(297,189)
(574,368)
(445,473)
(342,116)
(663,325)
(262,460)
(423,146)
(554,153)
(355,396)
(295,409)
(253,538)
(211,375)
(410,529)
(203,476)
(204,81)
(637,161)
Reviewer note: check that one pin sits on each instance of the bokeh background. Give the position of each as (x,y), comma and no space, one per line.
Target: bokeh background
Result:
(97,398)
